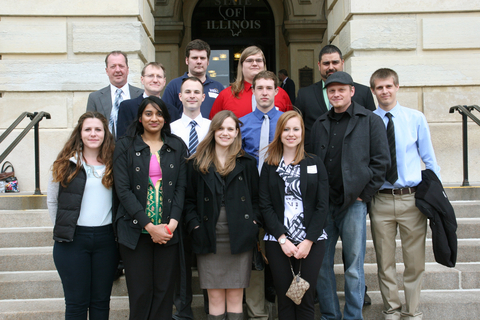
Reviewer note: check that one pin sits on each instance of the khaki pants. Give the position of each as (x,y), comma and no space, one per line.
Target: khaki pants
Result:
(387,212)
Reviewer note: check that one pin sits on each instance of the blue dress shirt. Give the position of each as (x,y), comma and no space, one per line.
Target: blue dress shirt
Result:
(252,124)
(412,144)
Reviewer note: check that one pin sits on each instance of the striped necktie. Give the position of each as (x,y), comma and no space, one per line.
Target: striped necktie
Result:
(392,174)
(112,124)
(264,136)
(193,140)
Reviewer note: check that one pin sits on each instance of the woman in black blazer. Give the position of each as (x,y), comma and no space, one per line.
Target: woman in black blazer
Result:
(221,208)
(150,180)
(293,205)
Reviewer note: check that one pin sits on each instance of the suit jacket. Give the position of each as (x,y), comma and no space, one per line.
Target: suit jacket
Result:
(127,112)
(101,100)
(311,103)
(289,87)
(314,188)
(433,202)
(365,153)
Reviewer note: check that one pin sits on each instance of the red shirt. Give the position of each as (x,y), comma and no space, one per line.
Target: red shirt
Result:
(243,104)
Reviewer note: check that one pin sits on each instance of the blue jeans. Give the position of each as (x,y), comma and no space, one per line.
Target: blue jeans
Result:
(351,226)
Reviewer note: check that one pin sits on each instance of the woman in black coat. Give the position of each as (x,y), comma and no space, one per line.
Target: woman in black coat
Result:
(220,210)
(150,179)
(293,204)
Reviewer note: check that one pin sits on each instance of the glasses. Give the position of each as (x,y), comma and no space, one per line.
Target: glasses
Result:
(250,60)
(153,76)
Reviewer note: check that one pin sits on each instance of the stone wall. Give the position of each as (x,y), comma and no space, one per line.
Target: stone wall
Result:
(52,56)
(434,48)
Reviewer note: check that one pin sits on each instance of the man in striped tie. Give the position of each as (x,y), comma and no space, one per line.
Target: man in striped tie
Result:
(394,205)
(192,128)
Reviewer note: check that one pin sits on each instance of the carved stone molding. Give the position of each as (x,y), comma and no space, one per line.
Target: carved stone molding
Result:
(297,31)
(169,32)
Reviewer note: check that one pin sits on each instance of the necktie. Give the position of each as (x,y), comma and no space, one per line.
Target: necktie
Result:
(254,103)
(112,125)
(392,174)
(264,135)
(193,140)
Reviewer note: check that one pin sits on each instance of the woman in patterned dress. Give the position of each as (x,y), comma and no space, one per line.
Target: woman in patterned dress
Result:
(293,205)
(150,180)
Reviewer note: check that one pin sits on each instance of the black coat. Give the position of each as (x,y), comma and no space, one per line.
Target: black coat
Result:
(289,87)
(241,204)
(365,153)
(311,103)
(433,202)
(314,188)
(131,163)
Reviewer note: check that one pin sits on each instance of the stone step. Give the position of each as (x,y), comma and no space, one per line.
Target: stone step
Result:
(25,218)
(41,218)
(468,228)
(462,193)
(40,258)
(26,237)
(47,284)
(445,304)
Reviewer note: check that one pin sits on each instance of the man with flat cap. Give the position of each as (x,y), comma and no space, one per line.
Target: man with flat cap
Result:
(352,142)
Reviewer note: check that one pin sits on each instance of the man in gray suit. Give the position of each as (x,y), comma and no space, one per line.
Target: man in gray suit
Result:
(107,100)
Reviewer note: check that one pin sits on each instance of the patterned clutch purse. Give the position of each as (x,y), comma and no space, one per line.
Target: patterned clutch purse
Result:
(298,287)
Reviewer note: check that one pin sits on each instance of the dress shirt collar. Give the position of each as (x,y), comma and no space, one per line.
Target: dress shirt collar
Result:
(246,85)
(259,114)
(125,90)
(394,111)
(186,120)
(146,96)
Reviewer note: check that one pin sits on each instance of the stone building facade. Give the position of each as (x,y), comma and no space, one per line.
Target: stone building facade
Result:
(52,56)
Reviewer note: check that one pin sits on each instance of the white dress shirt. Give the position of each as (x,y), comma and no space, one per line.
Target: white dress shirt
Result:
(181,127)
(125,92)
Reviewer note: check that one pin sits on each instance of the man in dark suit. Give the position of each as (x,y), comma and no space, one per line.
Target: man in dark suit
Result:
(312,101)
(287,84)
(154,80)
(107,100)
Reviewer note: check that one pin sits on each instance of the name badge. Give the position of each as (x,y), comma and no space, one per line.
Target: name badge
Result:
(311,169)
(213,95)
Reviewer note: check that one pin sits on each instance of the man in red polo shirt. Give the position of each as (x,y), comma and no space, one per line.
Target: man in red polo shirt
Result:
(238,97)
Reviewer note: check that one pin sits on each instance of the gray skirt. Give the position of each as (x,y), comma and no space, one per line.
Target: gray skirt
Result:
(224,270)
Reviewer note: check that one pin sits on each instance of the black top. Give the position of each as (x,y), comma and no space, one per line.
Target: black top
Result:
(333,158)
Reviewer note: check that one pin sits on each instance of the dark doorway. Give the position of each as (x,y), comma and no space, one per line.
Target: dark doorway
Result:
(229,26)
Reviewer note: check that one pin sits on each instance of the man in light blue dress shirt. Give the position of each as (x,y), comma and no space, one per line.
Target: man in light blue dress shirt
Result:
(264,87)
(394,205)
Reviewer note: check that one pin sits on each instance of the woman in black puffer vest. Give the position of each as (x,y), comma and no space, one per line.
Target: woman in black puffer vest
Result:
(80,203)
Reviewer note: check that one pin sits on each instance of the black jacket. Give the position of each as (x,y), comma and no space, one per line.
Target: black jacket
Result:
(433,202)
(365,153)
(131,163)
(311,103)
(314,189)
(241,204)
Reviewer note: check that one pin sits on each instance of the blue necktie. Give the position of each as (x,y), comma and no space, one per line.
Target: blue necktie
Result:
(193,140)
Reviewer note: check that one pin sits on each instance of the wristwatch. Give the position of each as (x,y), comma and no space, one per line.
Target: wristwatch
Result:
(282,240)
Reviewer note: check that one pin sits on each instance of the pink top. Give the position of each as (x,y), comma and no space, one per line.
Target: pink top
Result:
(155,172)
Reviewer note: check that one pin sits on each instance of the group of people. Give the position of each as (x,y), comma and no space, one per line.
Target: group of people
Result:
(154,181)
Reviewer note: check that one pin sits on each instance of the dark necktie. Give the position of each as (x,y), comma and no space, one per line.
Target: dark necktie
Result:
(392,174)
(193,140)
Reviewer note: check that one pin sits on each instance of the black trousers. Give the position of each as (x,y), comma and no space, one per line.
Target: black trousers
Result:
(87,268)
(282,278)
(184,308)
(151,271)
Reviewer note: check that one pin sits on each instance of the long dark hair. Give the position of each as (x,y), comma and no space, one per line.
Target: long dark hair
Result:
(74,148)
(136,127)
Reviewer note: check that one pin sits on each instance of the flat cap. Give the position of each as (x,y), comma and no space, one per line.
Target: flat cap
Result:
(339,77)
